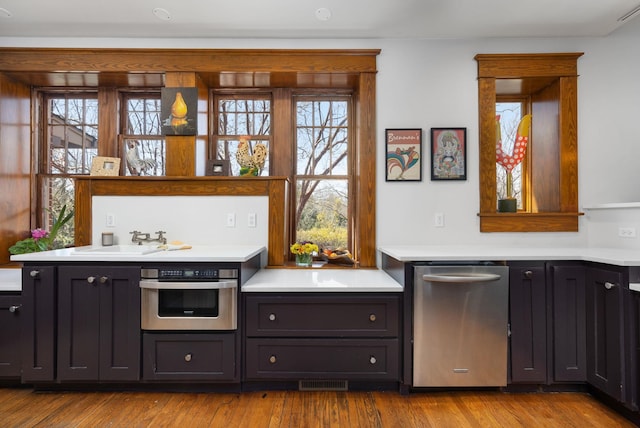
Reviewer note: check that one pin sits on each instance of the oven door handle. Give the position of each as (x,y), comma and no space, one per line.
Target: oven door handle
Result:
(196,285)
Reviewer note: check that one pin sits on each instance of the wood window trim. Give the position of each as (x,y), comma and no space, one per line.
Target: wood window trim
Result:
(219,68)
(529,70)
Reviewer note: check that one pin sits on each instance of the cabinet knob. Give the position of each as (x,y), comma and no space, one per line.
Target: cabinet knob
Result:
(272,359)
(91,279)
(528,274)
(372,359)
(34,273)
(103,279)
(272,317)
(14,308)
(372,317)
(188,357)
(609,285)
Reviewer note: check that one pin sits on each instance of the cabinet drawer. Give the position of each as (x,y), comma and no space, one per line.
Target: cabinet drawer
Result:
(184,356)
(322,316)
(370,359)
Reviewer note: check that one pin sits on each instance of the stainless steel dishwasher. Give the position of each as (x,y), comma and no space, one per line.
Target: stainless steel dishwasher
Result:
(460,316)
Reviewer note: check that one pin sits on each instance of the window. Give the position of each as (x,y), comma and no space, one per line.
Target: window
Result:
(322,171)
(142,143)
(313,153)
(71,142)
(508,115)
(549,84)
(244,128)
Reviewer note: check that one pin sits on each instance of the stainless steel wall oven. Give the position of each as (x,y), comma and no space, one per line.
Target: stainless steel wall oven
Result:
(189,298)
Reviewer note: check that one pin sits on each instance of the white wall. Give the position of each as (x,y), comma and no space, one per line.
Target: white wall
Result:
(432,83)
(193,220)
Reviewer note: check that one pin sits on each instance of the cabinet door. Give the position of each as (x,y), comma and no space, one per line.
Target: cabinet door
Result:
(604,331)
(528,338)
(99,323)
(10,308)
(568,323)
(120,333)
(38,324)
(78,323)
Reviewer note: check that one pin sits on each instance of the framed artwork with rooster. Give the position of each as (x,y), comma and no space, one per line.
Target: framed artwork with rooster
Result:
(403,154)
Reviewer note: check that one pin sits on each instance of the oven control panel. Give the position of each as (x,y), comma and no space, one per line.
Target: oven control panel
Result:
(189,274)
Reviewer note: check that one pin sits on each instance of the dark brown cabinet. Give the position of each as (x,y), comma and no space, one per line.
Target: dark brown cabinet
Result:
(568,316)
(10,314)
(547,322)
(528,323)
(38,323)
(606,290)
(98,323)
(346,336)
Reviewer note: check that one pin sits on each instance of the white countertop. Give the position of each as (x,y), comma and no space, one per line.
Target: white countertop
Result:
(419,253)
(321,280)
(198,253)
(10,280)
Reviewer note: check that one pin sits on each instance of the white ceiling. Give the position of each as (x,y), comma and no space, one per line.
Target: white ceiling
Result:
(297,18)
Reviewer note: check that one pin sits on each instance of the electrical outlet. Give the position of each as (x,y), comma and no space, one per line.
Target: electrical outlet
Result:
(110,220)
(251,220)
(627,232)
(231,220)
(438,220)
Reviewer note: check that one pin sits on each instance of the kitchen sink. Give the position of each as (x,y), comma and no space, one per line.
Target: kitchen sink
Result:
(120,250)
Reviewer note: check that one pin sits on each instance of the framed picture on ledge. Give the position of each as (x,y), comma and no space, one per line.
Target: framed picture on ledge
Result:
(448,154)
(403,154)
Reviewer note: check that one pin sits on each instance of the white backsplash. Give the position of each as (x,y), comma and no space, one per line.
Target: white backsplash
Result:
(604,224)
(193,220)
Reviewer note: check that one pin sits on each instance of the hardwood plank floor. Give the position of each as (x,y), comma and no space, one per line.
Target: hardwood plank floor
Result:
(22,407)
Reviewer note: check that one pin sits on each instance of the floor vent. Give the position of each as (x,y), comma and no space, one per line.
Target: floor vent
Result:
(323,385)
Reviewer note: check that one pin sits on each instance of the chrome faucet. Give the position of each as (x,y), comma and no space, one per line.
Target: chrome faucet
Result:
(139,237)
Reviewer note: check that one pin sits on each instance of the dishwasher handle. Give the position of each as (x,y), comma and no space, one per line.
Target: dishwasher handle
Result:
(460,278)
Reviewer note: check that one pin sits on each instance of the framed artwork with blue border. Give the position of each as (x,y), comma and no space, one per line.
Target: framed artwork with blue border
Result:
(403,154)
(448,154)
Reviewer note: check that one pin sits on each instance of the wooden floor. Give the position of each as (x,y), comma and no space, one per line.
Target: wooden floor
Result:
(21,407)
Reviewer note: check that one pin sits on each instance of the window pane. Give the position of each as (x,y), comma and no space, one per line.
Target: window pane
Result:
(143,154)
(143,116)
(322,212)
(248,120)
(322,202)
(72,134)
(509,114)
(322,138)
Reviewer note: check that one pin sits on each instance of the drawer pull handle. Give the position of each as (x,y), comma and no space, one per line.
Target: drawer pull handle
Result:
(188,357)
(14,308)
(372,359)
(272,359)
(91,279)
(103,279)
(272,317)
(34,273)
(609,285)
(528,274)
(372,317)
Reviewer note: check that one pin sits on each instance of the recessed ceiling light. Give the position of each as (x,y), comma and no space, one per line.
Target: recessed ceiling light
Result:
(161,13)
(4,13)
(323,14)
